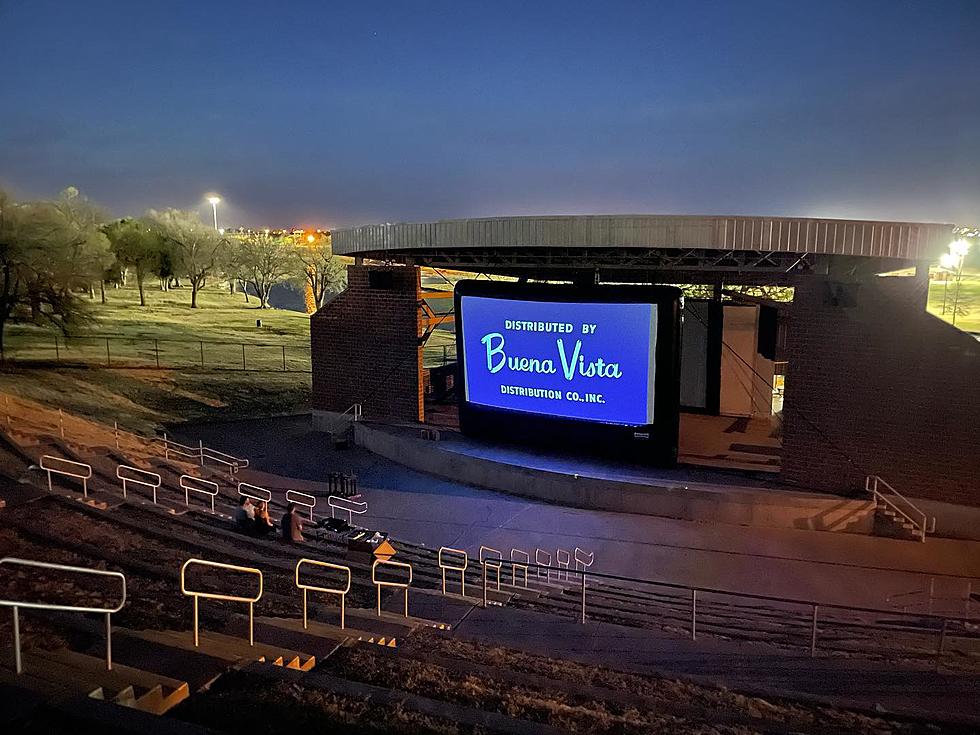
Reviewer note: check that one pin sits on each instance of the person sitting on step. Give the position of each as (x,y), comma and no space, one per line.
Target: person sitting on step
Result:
(292,526)
(245,515)
(263,521)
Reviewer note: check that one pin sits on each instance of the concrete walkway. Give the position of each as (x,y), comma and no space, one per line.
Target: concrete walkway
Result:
(829,567)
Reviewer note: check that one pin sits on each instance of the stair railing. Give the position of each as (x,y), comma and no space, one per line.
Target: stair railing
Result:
(139,477)
(189,483)
(304,499)
(348,506)
(379,583)
(107,611)
(454,560)
(66,468)
(341,591)
(898,503)
(197,594)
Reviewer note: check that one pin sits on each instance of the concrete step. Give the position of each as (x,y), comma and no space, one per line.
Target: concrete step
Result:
(229,648)
(151,692)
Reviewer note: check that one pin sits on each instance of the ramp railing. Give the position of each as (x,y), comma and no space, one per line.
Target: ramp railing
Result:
(304,499)
(542,560)
(379,583)
(189,484)
(583,559)
(898,503)
(200,453)
(107,610)
(563,560)
(138,477)
(346,505)
(493,559)
(197,594)
(66,468)
(341,591)
(457,561)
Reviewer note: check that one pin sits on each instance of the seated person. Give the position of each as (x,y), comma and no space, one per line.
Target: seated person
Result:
(263,522)
(245,515)
(292,526)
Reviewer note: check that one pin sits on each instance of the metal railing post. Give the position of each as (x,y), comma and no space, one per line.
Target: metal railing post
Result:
(284,358)
(108,362)
(108,641)
(200,449)
(243,356)
(115,432)
(583,598)
(166,447)
(202,353)
(18,664)
(196,627)
(61,422)
(694,614)
(942,641)
(484,565)
(813,633)
(156,348)
(57,352)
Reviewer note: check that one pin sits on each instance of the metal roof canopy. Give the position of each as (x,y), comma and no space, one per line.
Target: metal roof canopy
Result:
(643,247)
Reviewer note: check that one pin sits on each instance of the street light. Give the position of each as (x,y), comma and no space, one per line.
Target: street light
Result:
(214,209)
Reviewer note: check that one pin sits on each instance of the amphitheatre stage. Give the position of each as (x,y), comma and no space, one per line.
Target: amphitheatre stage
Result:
(800,354)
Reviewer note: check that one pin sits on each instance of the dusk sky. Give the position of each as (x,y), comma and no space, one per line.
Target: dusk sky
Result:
(340,113)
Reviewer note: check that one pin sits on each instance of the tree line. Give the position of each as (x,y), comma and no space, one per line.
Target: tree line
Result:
(54,252)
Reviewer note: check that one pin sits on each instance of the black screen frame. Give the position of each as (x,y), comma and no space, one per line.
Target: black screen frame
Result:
(654,443)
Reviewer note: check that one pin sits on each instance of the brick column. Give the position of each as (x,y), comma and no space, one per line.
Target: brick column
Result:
(365,345)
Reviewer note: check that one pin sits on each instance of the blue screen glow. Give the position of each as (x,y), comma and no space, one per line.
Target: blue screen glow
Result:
(590,361)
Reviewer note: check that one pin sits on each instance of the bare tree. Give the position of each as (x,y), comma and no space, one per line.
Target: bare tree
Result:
(323,272)
(267,260)
(197,249)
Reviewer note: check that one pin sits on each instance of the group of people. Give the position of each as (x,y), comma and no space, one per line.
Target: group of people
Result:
(252,517)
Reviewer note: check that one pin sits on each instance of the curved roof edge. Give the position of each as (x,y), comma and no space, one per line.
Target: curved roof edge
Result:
(908,241)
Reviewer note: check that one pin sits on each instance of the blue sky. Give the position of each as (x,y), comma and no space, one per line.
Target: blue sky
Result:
(337,113)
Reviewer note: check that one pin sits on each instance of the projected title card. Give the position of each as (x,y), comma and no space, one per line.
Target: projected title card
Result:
(590,361)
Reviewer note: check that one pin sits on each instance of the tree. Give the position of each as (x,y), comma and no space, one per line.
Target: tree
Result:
(266,260)
(323,272)
(137,245)
(197,249)
(49,251)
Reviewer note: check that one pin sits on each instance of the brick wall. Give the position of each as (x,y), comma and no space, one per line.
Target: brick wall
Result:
(365,346)
(875,385)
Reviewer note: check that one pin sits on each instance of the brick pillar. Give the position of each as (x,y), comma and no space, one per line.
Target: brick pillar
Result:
(365,345)
(876,385)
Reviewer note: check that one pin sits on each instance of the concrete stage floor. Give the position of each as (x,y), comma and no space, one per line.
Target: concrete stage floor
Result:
(831,567)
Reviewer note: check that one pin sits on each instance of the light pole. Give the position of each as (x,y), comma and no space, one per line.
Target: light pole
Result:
(947,264)
(214,209)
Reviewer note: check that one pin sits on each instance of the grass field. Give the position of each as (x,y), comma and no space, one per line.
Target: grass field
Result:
(143,399)
(968,311)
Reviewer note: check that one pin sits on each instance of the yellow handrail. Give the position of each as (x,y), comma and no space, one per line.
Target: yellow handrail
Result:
(329,590)
(217,596)
(381,583)
(461,569)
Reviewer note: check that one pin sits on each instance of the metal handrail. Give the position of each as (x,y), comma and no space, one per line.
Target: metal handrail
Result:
(200,453)
(45,465)
(460,569)
(538,553)
(580,559)
(108,611)
(233,462)
(562,564)
(516,564)
(940,621)
(328,590)
(493,558)
(153,477)
(378,583)
(347,505)
(871,485)
(187,488)
(216,596)
(304,499)
(254,492)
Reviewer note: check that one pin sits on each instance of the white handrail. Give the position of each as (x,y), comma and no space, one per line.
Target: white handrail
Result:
(347,505)
(328,590)
(108,611)
(516,564)
(583,559)
(234,463)
(83,473)
(920,522)
(562,563)
(444,565)
(205,487)
(304,499)
(200,453)
(149,479)
(538,553)
(490,557)
(254,492)
(196,594)
(379,583)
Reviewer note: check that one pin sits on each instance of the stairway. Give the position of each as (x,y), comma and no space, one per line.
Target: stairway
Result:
(889,523)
